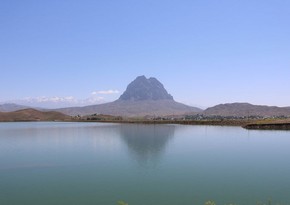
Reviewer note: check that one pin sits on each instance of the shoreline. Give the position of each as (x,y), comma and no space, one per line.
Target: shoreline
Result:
(246,124)
(270,126)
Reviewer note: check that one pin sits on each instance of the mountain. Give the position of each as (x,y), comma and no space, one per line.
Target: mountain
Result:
(142,97)
(246,109)
(145,89)
(32,115)
(10,107)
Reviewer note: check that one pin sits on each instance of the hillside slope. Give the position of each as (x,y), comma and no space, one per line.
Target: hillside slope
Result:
(32,115)
(133,108)
(246,109)
(11,107)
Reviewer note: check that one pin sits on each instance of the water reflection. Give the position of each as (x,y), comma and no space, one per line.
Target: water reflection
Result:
(146,143)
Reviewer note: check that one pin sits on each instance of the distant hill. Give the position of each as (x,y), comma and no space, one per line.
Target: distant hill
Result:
(142,97)
(246,109)
(32,115)
(10,107)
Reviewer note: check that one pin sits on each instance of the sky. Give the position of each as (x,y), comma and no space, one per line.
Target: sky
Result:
(205,52)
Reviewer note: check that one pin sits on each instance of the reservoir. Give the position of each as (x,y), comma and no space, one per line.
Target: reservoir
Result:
(101,163)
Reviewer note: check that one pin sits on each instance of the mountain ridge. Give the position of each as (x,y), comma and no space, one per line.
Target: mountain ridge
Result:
(148,97)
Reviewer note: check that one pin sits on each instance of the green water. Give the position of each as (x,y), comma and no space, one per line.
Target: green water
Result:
(95,163)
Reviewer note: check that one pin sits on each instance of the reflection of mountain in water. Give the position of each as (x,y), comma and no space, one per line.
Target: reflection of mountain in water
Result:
(146,142)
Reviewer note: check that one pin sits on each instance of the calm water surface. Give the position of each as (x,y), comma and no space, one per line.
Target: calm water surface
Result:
(95,163)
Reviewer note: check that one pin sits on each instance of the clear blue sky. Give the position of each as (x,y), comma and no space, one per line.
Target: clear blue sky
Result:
(204,52)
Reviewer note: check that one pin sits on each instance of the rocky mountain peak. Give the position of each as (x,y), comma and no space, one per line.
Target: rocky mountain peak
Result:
(145,89)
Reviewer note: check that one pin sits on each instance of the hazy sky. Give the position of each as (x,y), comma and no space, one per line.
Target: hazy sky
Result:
(87,51)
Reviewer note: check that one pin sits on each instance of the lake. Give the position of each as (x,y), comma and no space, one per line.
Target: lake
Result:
(95,163)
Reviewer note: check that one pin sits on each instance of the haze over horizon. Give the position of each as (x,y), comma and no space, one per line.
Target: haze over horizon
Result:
(68,53)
